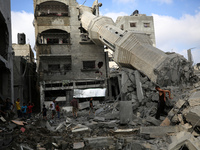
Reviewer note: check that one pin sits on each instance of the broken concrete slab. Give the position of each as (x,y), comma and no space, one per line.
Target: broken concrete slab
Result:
(99,141)
(153,121)
(159,131)
(98,119)
(184,139)
(78,145)
(140,94)
(193,116)
(194,99)
(126,112)
(126,130)
(61,125)
(79,128)
(21,123)
(98,111)
(2,119)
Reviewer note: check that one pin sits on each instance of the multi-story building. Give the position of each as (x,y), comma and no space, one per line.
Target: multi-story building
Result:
(67,59)
(138,23)
(6,53)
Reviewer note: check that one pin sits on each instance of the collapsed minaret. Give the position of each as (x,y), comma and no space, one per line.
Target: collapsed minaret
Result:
(135,50)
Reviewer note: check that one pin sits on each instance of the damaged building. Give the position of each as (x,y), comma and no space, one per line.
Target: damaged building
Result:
(66,57)
(6,53)
(25,76)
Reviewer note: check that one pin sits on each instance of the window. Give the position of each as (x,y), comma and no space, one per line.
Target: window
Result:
(52,9)
(88,65)
(54,67)
(133,24)
(147,25)
(67,67)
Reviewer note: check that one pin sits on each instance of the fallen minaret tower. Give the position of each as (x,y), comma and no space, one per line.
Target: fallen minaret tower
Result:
(135,50)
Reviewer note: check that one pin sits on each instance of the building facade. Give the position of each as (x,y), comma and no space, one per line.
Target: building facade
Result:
(25,76)
(6,53)
(66,58)
(138,23)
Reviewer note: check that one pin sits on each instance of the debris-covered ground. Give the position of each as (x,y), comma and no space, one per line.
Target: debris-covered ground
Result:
(126,125)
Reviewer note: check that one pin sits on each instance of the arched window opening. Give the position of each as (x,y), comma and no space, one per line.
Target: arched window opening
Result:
(54,36)
(52,8)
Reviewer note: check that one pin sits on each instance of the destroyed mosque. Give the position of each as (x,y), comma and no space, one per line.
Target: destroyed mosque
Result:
(82,55)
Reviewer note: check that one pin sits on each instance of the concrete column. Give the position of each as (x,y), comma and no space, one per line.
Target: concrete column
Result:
(42,95)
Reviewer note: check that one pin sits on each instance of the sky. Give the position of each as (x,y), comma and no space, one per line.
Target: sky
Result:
(176,22)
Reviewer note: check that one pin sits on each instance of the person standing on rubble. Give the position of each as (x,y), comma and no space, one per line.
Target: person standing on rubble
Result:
(58,110)
(19,113)
(30,106)
(44,112)
(74,104)
(52,107)
(161,102)
(24,108)
(91,106)
(8,109)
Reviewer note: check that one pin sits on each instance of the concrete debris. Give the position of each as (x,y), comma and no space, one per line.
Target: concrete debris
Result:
(140,94)
(160,131)
(184,140)
(2,119)
(194,99)
(126,130)
(116,124)
(79,128)
(21,123)
(78,145)
(23,129)
(99,141)
(125,112)
(193,116)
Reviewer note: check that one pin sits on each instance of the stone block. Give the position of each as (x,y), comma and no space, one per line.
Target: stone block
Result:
(126,112)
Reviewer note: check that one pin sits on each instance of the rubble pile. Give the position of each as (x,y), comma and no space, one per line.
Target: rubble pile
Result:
(127,124)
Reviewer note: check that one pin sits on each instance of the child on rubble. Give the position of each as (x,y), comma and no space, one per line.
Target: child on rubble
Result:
(23,108)
(30,106)
(44,112)
(58,110)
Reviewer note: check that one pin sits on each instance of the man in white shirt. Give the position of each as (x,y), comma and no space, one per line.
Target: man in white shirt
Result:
(52,107)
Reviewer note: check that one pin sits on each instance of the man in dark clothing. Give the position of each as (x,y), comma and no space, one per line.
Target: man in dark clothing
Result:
(8,109)
(162,99)
(91,106)
(74,104)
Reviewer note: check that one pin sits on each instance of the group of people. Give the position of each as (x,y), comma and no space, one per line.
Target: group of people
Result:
(24,111)
(54,107)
